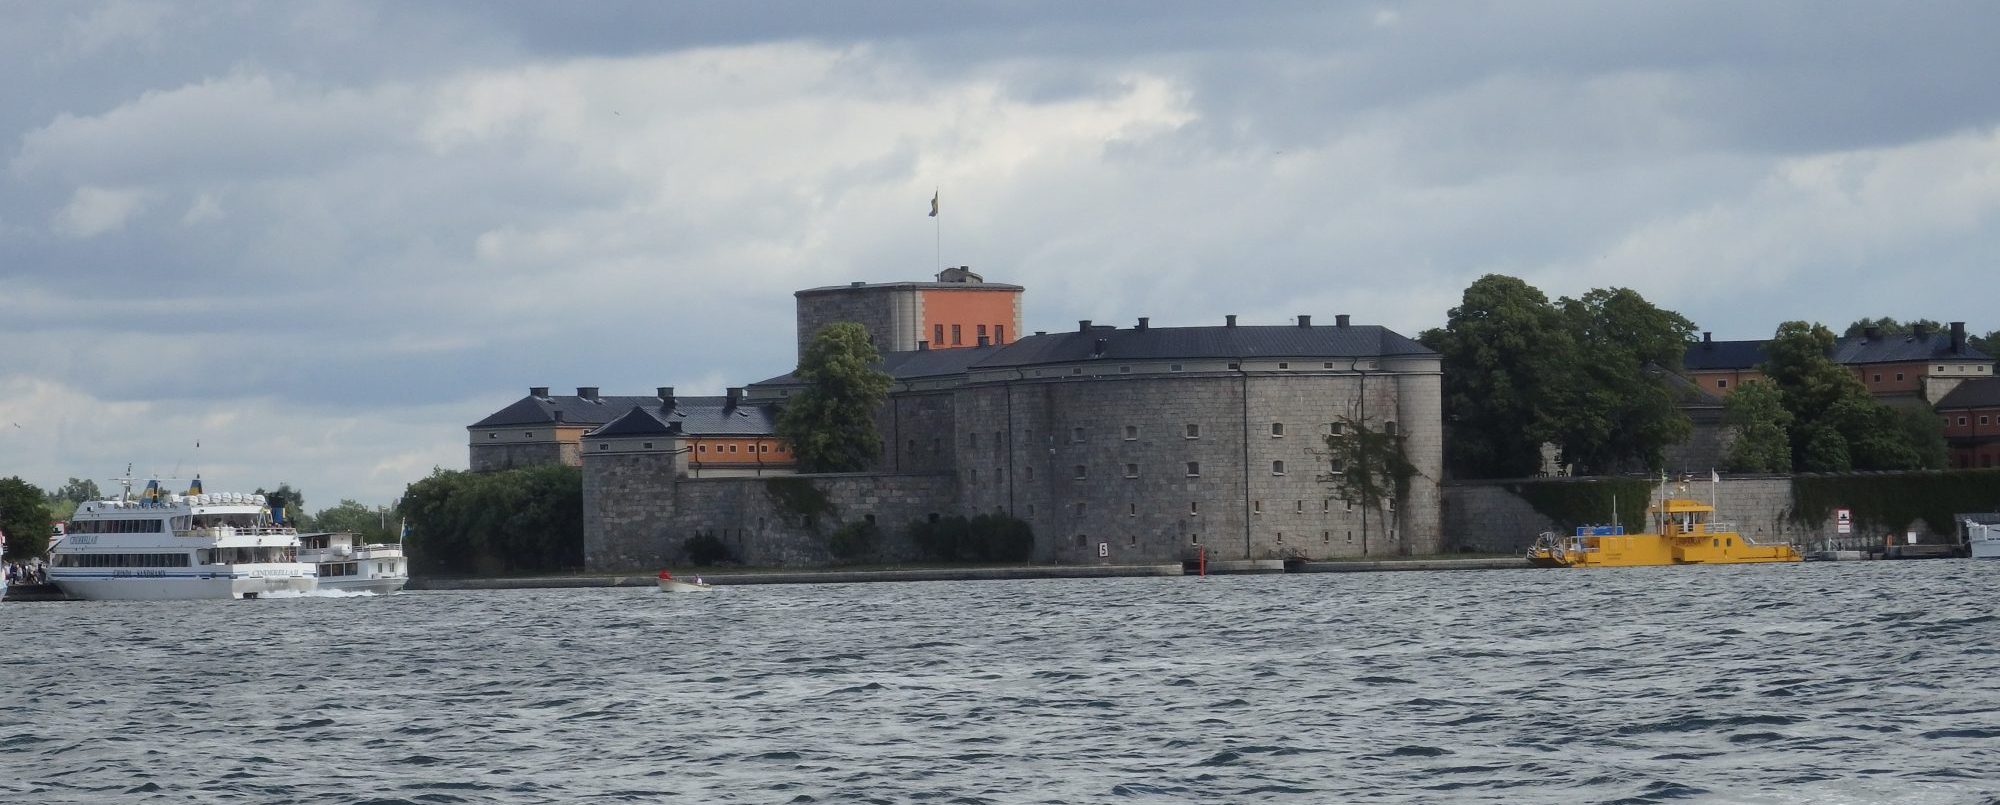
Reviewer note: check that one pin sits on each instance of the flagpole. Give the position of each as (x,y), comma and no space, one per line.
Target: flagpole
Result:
(937,229)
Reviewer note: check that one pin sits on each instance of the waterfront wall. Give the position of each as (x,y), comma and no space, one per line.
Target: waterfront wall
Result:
(1493,517)
(638,516)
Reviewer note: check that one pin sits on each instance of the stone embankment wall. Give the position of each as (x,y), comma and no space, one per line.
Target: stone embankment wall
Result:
(1492,517)
(637,516)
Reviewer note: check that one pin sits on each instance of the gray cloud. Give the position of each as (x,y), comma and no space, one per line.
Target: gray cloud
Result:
(349,229)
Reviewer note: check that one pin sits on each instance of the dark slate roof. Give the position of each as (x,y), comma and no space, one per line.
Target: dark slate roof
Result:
(1721,355)
(701,416)
(636,422)
(533,410)
(868,286)
(1902,349)
(1165,343)
(911,365)
(1981,393)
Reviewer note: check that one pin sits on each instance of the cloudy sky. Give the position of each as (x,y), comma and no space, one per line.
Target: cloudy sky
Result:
(318,239)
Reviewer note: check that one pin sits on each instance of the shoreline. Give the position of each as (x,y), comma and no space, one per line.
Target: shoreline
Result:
(991,573)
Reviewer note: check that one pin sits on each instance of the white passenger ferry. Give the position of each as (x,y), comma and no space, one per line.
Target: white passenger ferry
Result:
(167,546)
(345,566)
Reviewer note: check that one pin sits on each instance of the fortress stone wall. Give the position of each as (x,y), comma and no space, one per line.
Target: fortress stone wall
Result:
(638,516)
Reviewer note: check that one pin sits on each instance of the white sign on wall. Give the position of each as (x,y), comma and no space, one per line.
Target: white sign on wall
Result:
(1843,521)
(1104,549)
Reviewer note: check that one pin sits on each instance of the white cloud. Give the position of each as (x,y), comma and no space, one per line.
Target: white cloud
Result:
(94,211)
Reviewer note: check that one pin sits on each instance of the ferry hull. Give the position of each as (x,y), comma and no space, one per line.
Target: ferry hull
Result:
(377,586)
(179,589)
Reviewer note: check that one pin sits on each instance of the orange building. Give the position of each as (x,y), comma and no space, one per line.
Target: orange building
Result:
(960,309)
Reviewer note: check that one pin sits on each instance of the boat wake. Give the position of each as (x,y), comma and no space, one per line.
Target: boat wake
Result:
(319,594)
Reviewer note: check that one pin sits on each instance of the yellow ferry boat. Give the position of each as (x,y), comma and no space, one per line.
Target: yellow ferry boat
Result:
(1684,533)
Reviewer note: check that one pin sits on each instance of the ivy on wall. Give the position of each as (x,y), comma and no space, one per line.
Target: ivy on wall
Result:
(1892,503)
(1589,502)
(799,497)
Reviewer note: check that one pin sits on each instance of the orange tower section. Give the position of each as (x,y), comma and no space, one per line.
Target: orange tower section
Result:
(956,311)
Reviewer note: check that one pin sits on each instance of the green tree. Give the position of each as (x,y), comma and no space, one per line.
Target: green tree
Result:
(831,423)
(527,520)
(1763,430)
(1837,425)
(24,516)
(289,502)
(1505,352)
(373,525)
(1616,411)
(76,490)
(1367,467)
(1887,326)
(1988,343)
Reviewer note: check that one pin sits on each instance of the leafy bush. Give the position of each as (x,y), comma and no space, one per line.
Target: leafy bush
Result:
(853,541)
(526,520)
(985,538)
(705,549)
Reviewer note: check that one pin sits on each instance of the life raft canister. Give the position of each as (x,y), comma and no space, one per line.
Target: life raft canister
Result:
(665,575)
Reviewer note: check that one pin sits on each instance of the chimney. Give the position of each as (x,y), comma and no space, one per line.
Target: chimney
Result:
(985,342)
(1707,337)
(735,396)
(1920,331)
(1340,320)
(1870,333)
(1083,326)
(856,284)
(1098,349)
(1305,320)
(1957,337)
(587,392)
(666,397)
(1145,322)
(924,346)
(538,391)
(1229,320)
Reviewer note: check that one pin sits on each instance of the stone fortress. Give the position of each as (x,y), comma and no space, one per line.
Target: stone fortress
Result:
(1136,444)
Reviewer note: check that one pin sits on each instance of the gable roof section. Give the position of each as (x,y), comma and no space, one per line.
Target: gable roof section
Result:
(636,422)
(1903,349)
(533,410)
(1981,393)
(1193,343)
(1714,356)
(693,416)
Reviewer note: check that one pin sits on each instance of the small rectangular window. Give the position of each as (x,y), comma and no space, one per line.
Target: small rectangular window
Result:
(955,338)
(604,447)
(1277,430)
(1076,435)
(1131,433)
(1194,508)
(1194,539)
(1131,470)
(1283,365)
(1081,540)
(1028,470)
(1961,420)
(1193,431)
(1878,377)
(1335,428)
(1277,468)
(1173,367)
(1325,537)
(1082,472)
(975,477)
(649,445)
(1389,428)
(493,436)
(937,335)
(1124,370)
(972,439)
(1080,505)
(1031,510)
(1235,366)
(980,331)
(1300,508)
(1131,510)
(1722,383)
(1133,540)
(1899,375)
(1327,365)
(1194,469)
(999,334)
(1256,507)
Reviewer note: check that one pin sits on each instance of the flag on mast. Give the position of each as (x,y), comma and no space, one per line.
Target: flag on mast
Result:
(934,200)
